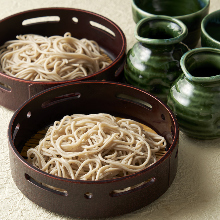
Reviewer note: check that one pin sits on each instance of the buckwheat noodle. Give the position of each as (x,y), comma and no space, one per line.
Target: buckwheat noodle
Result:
(55,58)
(95,147)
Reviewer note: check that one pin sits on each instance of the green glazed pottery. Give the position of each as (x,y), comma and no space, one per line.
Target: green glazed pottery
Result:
(190,12)
(210,35)
(195,95)
(153,63)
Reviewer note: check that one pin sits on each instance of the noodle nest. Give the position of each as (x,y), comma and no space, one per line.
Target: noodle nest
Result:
(95,147)
(56,58)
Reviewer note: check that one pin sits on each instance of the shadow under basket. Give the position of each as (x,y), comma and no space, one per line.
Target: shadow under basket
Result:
(92,199)
(58,21)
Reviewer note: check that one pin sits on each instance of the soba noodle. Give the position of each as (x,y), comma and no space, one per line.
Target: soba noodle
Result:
(55,58)
(95,147)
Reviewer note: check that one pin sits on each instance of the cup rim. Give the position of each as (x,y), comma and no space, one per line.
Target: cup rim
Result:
(205,20)
(191,53)
(177,17)
(167,41)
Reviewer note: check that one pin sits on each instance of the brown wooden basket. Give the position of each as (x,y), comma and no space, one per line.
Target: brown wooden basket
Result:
(57,21)
(92,199)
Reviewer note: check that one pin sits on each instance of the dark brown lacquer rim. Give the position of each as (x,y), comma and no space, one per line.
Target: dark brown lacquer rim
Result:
(155,168)
(174,143)
(111,72)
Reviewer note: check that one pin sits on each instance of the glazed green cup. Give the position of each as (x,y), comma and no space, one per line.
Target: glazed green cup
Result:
(210,35)
(153,63)
(195,96)
(190,12)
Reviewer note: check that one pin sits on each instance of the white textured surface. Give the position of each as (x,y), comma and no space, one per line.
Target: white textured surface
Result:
(195,192)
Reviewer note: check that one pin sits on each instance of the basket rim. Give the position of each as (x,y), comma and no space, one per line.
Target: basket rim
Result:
(174,143)
(115,61)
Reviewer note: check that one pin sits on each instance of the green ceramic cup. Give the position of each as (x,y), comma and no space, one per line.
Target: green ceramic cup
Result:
(195,95)
(153,63)
(210,35)
(190,12)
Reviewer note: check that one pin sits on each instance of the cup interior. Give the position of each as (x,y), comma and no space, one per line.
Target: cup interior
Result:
(212,25)
(159,29)
(203,64)
(170,7)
